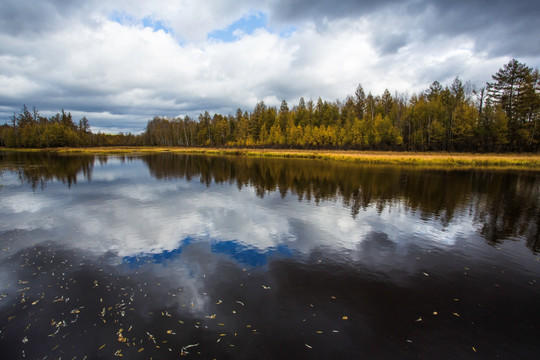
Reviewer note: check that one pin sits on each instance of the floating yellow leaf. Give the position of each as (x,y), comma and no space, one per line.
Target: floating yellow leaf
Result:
(141,350)
(456,314)
(345,317)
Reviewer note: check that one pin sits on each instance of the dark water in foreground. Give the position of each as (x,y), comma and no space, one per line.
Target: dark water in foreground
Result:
(238,258)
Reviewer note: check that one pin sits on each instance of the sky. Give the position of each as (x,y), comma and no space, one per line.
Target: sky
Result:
(122,62)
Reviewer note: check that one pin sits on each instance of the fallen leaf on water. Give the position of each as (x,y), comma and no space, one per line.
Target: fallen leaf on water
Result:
(426,274)
(456,314)
(183,351)
(118,353)
(435,313)
(170,332)
(141,350)
(419,319)
(266,287)
(474,349)
(345,317)
(308,346)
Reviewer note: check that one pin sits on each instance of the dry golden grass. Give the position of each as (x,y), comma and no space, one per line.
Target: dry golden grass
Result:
(521,161)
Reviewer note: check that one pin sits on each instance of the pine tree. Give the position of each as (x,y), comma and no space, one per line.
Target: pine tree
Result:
(510,90)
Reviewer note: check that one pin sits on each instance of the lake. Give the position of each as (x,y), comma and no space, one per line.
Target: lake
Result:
(162,256)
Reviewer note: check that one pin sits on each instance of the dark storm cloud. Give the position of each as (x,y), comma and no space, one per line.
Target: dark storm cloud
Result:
(388,44)
(498,27)
(284,10)
(21,17)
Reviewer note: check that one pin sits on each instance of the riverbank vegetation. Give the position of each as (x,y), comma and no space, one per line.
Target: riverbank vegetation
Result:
(445,159)
(503,116)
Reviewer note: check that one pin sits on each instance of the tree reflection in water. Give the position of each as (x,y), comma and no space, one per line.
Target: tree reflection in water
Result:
(503,204)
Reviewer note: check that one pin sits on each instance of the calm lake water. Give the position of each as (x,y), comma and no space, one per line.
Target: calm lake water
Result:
(166,255)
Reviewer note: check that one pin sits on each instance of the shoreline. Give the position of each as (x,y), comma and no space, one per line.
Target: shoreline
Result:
(453,160)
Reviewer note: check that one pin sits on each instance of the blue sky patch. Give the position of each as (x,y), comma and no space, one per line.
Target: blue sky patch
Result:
(124,18)
(121,17)
(156,25)
(246,25)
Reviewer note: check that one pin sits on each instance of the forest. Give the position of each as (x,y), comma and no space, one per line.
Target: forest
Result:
(502,116)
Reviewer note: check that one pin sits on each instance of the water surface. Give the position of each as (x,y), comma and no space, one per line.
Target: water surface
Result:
(240,258)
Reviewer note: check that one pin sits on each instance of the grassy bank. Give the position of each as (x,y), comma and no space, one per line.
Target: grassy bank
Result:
(521,161)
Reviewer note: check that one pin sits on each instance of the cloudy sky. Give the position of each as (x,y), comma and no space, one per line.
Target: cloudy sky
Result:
(121,62)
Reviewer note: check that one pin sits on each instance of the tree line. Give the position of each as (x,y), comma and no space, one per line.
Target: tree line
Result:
(29,129)
(501,116)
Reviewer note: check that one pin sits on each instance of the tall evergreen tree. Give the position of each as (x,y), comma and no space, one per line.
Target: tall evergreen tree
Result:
(511,89)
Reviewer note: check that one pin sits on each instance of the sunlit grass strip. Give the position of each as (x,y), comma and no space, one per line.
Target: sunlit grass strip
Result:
(522,161)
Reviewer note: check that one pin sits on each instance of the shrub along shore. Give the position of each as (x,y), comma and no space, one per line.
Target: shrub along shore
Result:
(438,159)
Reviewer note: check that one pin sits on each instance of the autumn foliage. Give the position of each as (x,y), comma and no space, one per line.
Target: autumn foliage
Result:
(501,117)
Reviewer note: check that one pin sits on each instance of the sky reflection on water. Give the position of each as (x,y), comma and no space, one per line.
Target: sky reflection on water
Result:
(281,256)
